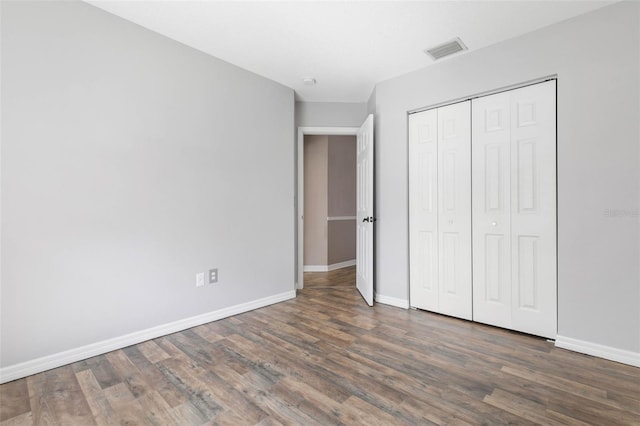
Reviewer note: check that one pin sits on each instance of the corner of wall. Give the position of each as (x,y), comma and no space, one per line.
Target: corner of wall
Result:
(371,102)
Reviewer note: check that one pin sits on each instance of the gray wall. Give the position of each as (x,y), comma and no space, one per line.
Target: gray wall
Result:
(330,114)
(596,58)
(130,163)
(371,103)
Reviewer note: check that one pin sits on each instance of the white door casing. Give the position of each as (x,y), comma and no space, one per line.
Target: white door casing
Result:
(514,212)
(364,207)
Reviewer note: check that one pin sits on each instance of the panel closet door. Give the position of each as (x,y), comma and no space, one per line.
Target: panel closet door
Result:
(491,187)
(440,210)
(514,209)
(454,209)
(423,210)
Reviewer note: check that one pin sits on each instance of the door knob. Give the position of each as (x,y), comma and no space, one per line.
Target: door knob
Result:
(494,223)
(366,219)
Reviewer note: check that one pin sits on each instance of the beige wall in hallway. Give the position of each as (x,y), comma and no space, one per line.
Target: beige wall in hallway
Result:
(315,199)
(342,176)
(342,198)
(330,191)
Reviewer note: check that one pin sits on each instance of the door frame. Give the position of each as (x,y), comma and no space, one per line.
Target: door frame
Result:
(302,132)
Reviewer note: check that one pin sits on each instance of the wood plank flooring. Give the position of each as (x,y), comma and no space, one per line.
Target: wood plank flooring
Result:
(325,358)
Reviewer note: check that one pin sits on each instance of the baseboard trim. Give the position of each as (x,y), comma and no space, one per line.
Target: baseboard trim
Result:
(329,268)
(27,368)
(393,301)
(601,351)
(341,265)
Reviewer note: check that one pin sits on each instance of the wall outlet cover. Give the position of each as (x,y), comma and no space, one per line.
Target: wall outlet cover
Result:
(213,276)
(200,279)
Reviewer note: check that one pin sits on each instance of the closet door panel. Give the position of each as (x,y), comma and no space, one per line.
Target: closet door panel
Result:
(533,210)
(423,210)
(491,169)
(454,209)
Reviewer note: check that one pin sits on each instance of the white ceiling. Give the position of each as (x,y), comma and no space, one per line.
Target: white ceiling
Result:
(347,46)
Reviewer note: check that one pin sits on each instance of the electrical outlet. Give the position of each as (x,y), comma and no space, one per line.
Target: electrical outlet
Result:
(213,276)
(200,279)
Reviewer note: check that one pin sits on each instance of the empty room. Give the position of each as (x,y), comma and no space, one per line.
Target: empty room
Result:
(319,212)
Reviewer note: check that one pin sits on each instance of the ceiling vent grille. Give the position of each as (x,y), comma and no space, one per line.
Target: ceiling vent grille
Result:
(449,48)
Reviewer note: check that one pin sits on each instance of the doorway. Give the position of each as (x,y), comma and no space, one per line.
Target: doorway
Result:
(365,218)
(320,132)
(329,202)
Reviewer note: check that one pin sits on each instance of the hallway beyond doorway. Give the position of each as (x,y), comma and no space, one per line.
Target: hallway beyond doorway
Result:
(340,278)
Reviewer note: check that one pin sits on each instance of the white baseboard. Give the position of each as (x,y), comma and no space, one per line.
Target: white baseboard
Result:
(341,265)
(601,351)
(27,368)
(328,268)
(393,301)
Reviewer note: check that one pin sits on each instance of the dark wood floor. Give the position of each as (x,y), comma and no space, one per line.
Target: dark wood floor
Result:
(326,358)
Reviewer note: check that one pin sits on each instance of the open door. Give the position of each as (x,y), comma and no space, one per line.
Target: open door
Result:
(364,206)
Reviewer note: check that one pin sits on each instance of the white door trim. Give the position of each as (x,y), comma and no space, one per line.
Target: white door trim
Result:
(302,131)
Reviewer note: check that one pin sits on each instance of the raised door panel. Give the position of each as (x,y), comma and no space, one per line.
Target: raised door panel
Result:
(533,210)
(454,210)
(423,213)
(491,210)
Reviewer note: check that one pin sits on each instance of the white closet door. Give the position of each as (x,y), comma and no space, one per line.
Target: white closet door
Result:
(491,165)
(514,209)
(454,210)
(423,209)
(533,209)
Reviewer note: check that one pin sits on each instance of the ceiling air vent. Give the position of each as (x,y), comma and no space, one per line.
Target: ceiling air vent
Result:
(449,48)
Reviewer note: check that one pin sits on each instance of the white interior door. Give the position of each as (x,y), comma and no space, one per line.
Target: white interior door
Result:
(454,210)
(365,215)
(514,210)
(423,210)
